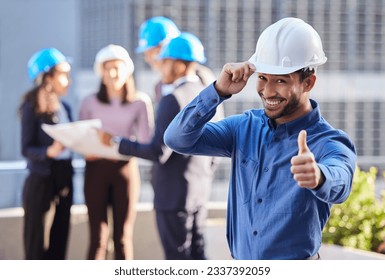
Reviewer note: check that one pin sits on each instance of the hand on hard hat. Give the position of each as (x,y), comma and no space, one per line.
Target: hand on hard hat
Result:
(233,78)
(286,46)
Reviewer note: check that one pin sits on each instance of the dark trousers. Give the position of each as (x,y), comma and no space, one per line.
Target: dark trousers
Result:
(47,202)
(181,234)
(106,186)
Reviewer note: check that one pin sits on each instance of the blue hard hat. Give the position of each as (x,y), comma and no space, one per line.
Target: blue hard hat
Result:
(155,31)
(43,60)
(184,47)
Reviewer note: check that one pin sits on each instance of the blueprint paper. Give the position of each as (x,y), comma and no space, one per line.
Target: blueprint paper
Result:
(81,137)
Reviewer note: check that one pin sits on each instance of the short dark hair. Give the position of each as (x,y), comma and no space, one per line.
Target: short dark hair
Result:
(304,73)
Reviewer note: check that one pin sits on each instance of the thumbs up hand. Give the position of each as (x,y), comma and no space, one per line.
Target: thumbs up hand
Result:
(304,167)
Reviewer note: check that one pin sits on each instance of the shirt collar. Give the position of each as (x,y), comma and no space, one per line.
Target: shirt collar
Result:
(295,126)
(170,88)
(185,79)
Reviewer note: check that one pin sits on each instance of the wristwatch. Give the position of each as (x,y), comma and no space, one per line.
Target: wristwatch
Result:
(115,141)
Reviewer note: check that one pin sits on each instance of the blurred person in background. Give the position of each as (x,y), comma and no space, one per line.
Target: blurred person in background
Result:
(155,33)
(123,111)
(48,188)
(181,183)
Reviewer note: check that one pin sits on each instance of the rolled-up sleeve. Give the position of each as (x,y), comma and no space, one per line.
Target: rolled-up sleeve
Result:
(191,133)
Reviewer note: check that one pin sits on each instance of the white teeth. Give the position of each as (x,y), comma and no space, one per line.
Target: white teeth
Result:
(273,102)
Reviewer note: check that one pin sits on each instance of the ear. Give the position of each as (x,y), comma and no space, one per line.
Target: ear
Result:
(179,67)
(309,83)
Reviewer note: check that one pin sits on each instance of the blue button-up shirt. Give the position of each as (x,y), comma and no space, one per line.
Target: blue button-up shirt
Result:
(268,215)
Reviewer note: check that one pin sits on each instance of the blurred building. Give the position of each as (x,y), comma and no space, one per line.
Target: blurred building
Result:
(348,88)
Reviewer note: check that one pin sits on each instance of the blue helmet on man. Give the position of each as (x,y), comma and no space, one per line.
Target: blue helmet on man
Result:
(185,47)
(156,31)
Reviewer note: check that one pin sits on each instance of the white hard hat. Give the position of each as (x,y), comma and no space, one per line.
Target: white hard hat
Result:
(286,46)
(112,52)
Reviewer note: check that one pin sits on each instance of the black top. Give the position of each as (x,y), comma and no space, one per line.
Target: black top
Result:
(34,140)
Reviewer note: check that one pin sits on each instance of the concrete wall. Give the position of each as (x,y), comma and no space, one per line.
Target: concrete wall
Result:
(146,240)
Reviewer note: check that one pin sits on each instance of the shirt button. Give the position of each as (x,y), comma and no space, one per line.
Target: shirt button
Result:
(255,232)
(259,200)
(266,169)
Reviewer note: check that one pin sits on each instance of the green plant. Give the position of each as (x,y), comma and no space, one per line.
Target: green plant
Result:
(359,222)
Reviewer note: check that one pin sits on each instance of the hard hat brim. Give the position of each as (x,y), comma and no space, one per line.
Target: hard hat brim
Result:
(280,70)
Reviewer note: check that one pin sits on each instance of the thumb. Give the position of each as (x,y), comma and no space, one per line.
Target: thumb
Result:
(302,145)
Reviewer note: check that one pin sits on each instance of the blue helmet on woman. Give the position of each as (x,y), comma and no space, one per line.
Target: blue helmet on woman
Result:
(43,60)
(185,47)
(156,31)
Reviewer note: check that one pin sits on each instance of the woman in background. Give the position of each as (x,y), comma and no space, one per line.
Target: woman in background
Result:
(48,189)
(115,182)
